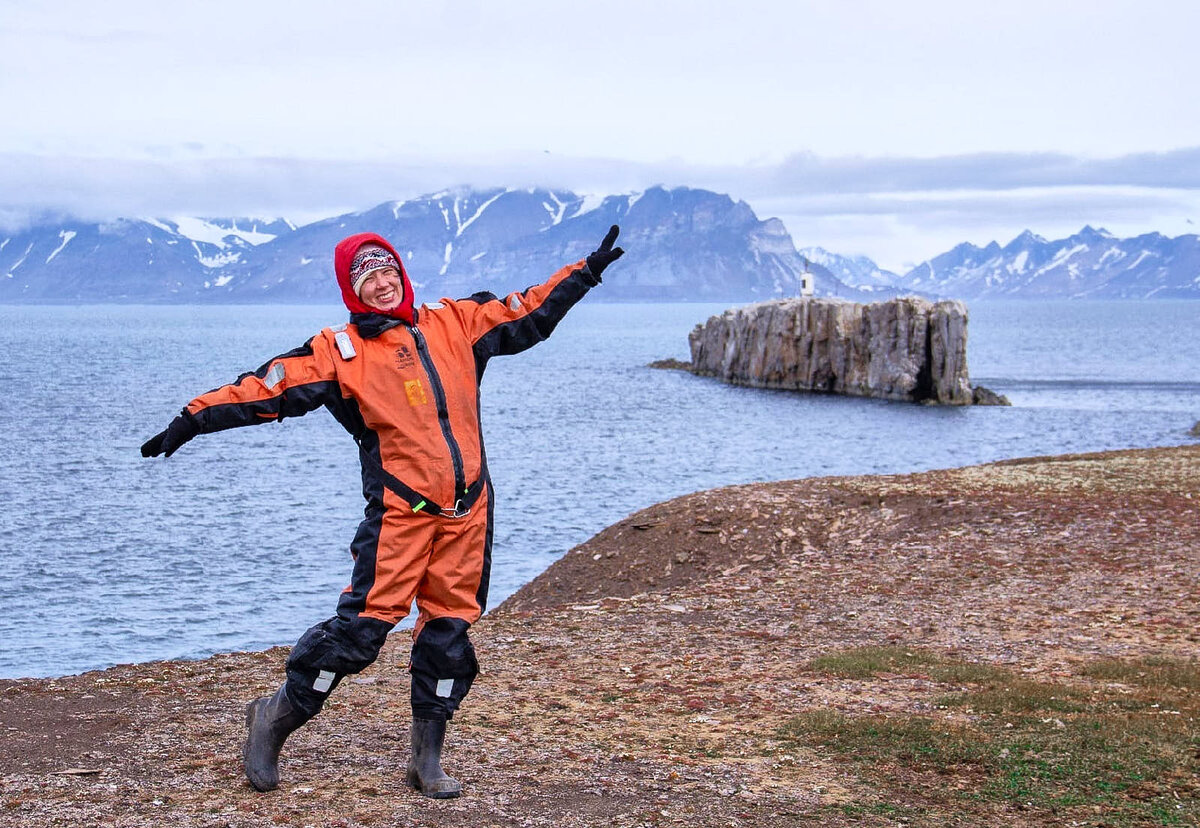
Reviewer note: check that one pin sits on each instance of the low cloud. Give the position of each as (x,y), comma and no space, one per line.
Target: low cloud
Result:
(980,171)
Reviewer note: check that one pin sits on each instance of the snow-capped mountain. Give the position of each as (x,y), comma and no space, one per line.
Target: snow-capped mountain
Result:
(1090,264)
(856,271)
(684,244)
(136,260)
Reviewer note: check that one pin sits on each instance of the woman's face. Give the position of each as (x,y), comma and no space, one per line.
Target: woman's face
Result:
(382,289)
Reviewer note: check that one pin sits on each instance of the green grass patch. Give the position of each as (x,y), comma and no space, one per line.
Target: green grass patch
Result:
(915,740)
(866,662)
(1152,672)
(1055,747)
(1018,695)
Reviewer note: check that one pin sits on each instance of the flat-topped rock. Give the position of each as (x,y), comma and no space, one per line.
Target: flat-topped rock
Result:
(902,349)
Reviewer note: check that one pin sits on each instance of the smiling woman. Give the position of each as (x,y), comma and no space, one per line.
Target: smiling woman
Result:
(414,457)
(375,277)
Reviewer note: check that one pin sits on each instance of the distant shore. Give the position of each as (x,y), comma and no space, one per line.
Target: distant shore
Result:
(712,660)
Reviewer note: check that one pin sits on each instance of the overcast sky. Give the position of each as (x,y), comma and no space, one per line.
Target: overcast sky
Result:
(891,129)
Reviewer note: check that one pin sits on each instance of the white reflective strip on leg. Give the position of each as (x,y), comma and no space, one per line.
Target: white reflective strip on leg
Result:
(445,687)
(274,376)
(324,681)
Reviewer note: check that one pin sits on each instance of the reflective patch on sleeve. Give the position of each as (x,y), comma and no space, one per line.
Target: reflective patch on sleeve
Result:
(345,346)
(514,303)
(338,328)
(324,681)
(434,305)
(445,687)
(274,376)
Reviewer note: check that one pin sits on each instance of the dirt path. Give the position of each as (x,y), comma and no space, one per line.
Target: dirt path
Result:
(648,677)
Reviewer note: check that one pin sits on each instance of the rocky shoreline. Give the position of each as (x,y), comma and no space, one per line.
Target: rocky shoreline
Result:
(650,677)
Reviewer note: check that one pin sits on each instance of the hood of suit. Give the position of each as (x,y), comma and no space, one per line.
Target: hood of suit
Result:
(343,255)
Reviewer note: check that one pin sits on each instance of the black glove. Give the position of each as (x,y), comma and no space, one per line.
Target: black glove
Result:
(603,257)
(181,429)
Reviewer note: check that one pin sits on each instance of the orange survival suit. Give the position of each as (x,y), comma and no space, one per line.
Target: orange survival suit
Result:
(405,384)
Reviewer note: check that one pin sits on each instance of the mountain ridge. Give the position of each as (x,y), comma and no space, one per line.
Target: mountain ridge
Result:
(684,243)
(1090,264)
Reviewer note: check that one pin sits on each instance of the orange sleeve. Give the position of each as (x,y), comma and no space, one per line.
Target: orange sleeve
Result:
(289,385)
(520,320)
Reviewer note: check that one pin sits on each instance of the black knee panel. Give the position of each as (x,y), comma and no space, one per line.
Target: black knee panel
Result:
(329,651)
(443,668)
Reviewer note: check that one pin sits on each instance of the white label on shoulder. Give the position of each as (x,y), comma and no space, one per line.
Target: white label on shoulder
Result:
(274,376)
(445,687)
(514,304)
(434,305)
(345,346)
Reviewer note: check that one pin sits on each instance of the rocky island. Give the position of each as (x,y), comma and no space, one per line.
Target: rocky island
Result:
(902,349)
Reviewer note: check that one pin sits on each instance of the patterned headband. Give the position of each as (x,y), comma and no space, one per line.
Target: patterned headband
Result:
(366,261)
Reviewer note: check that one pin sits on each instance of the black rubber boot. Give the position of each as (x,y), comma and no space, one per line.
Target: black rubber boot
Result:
(270,720)
(425,772)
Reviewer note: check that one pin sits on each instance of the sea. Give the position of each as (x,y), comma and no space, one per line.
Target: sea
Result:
(240,540)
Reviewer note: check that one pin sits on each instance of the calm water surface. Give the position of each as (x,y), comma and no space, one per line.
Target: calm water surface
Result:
(239,541)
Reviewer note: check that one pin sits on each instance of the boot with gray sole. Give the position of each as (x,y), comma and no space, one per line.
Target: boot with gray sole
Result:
(269,720)
(425,772)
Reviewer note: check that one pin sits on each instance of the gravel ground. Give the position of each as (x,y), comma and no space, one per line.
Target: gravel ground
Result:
(644,678)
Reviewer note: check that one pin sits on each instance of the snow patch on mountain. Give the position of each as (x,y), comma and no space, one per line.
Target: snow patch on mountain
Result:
(590,202)
(464,225)
(1145,254)
(21,260)
(556,211)
(1060,258)
(209,232)
(66,236)
(217,260)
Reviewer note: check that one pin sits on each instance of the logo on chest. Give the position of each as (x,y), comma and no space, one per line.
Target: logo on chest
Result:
(404,357)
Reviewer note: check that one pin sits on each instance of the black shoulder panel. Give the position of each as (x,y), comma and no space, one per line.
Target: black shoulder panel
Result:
(481,297)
